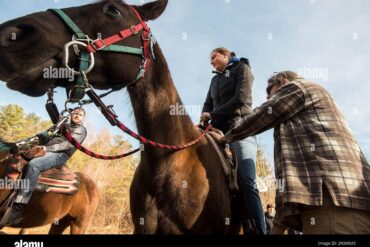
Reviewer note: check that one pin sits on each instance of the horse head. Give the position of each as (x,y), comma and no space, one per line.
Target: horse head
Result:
(34,43)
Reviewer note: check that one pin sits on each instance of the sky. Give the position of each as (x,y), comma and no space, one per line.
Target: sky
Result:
(326,41)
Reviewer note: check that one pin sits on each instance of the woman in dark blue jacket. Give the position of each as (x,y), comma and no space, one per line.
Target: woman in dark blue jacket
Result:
(228,100)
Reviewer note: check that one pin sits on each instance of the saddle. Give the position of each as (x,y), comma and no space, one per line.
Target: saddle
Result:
(58,179)
(229,163)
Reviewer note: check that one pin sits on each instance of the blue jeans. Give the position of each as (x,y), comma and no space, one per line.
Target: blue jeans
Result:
(246,153)
(33,170)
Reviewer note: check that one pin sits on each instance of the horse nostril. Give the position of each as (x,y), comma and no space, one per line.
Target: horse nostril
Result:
(14,34)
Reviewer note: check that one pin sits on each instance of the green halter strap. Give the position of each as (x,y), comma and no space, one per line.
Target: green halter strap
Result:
(78,91)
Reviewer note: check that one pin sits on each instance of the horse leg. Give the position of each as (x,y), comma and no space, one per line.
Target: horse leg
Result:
(144,211)
(144,215)
(167,226)
(81,217)
(23,231)
(84,206)
(59,227)
(78,226)
(82,221)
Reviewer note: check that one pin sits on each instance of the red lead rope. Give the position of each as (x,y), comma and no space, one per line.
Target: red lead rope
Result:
(159,145)
(77,145)
(143,140)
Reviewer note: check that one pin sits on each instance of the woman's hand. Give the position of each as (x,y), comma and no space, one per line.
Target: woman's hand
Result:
(205,117)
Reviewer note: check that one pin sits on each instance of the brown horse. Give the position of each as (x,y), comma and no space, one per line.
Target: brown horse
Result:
(60,210)
(172,192)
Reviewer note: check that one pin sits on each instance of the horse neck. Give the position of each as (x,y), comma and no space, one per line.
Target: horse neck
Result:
(152,100)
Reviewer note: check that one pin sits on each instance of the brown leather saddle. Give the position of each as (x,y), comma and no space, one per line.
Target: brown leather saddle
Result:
(58,179)
(59,173)
(229,163)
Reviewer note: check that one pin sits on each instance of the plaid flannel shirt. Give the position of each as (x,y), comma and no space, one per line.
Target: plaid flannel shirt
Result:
(313,147)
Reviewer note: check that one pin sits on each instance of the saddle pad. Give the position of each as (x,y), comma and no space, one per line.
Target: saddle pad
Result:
(58,186)
(59,180)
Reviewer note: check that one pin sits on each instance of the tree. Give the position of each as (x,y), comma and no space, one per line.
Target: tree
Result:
(263,167)
(12,122)
(34,124)
(16,125)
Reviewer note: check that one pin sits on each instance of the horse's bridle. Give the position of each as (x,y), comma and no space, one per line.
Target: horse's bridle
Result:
(107,45)
(87,63)
(86,57)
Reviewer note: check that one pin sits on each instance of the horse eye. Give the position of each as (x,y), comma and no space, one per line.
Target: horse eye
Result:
(112,10)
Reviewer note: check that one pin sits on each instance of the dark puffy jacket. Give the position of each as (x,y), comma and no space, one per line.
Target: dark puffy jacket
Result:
(60,144)
(230,95)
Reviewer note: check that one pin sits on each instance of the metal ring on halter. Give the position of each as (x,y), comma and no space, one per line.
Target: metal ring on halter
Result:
(66,109)
(66,57)
(65,113)
(75,46)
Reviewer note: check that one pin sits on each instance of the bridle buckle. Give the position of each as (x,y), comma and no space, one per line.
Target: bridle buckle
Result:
(147,38)
(133,30)
(96,46)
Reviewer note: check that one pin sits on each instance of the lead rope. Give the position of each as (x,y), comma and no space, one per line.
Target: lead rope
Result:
(60,126)
(112,119)
(160,145)
(90,153)
(143,140)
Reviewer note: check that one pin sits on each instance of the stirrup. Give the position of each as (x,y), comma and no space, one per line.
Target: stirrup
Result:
(4,220)
(6,208)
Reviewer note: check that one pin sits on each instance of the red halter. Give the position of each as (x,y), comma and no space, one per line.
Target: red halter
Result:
(102,43)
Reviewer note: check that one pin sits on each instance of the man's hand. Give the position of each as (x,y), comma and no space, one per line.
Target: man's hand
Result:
(34,152)
(205,117)
(217,134)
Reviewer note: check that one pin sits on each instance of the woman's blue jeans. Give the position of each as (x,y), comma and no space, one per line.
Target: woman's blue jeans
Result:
(33,170)
(246,153)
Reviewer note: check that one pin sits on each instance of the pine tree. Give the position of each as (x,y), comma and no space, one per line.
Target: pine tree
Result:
(16,125)
(12,122)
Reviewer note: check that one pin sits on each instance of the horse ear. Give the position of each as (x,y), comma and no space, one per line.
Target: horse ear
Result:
(153,10)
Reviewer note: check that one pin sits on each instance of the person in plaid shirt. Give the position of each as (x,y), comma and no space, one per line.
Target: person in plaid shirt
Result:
(323,176)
